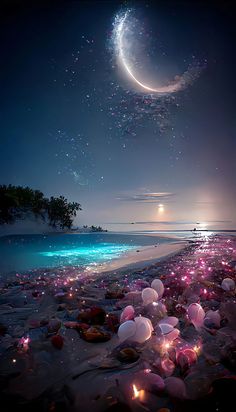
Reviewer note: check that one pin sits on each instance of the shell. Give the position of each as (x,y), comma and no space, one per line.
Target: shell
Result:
(172,335)
(127,314)
(228,284)
(196,314)
(170,320)
(214,317)
(143,329)
(126,330)
(167,366)
(165,328)
(157,284)
(149,295)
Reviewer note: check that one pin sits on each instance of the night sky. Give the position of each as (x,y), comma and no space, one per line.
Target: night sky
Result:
(73,123)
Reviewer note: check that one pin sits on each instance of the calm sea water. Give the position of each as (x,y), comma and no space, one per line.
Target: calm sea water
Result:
(21,253)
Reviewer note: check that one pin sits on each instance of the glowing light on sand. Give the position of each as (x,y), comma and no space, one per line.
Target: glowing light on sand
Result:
(24,343)
(197,349)
(166,345)
(138,394)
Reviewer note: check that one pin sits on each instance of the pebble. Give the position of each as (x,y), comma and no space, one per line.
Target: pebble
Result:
(57,341)
(94,316)
(54,325)
(163,410)
(95,335)
(128,355)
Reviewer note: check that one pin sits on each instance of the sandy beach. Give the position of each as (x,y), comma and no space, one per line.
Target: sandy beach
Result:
(145,255)
(60,349)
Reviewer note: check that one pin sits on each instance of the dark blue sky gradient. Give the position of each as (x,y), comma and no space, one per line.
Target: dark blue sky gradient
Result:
(59,88)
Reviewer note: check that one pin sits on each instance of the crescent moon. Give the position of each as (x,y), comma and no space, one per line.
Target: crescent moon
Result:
(119,40)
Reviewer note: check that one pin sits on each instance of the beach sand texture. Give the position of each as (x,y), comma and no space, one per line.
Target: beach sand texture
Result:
(59,344)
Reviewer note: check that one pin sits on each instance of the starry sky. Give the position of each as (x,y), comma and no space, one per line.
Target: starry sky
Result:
(72,122)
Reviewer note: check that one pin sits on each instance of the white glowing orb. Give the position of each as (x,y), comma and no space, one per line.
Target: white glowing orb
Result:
(161,208)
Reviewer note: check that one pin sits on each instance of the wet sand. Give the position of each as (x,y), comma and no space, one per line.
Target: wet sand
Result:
(145,255)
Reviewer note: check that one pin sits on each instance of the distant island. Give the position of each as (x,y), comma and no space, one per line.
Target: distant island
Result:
(88,229)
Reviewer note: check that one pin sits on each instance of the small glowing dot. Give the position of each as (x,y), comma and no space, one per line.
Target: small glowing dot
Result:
(166,345)
(136,391)
(196,349)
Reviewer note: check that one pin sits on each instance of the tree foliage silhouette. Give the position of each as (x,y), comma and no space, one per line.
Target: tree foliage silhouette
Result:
(18,203)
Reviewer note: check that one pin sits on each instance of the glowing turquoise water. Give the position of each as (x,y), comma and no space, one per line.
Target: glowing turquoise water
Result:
(98,253)
(22,253)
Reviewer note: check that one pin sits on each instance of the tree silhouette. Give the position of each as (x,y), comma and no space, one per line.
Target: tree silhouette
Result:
(17,203)
(61,212)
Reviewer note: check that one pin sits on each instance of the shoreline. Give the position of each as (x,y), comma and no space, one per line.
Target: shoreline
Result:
(128,261)
(145,256)
(138,257)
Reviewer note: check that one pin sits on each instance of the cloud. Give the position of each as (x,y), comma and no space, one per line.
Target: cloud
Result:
(151,197)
